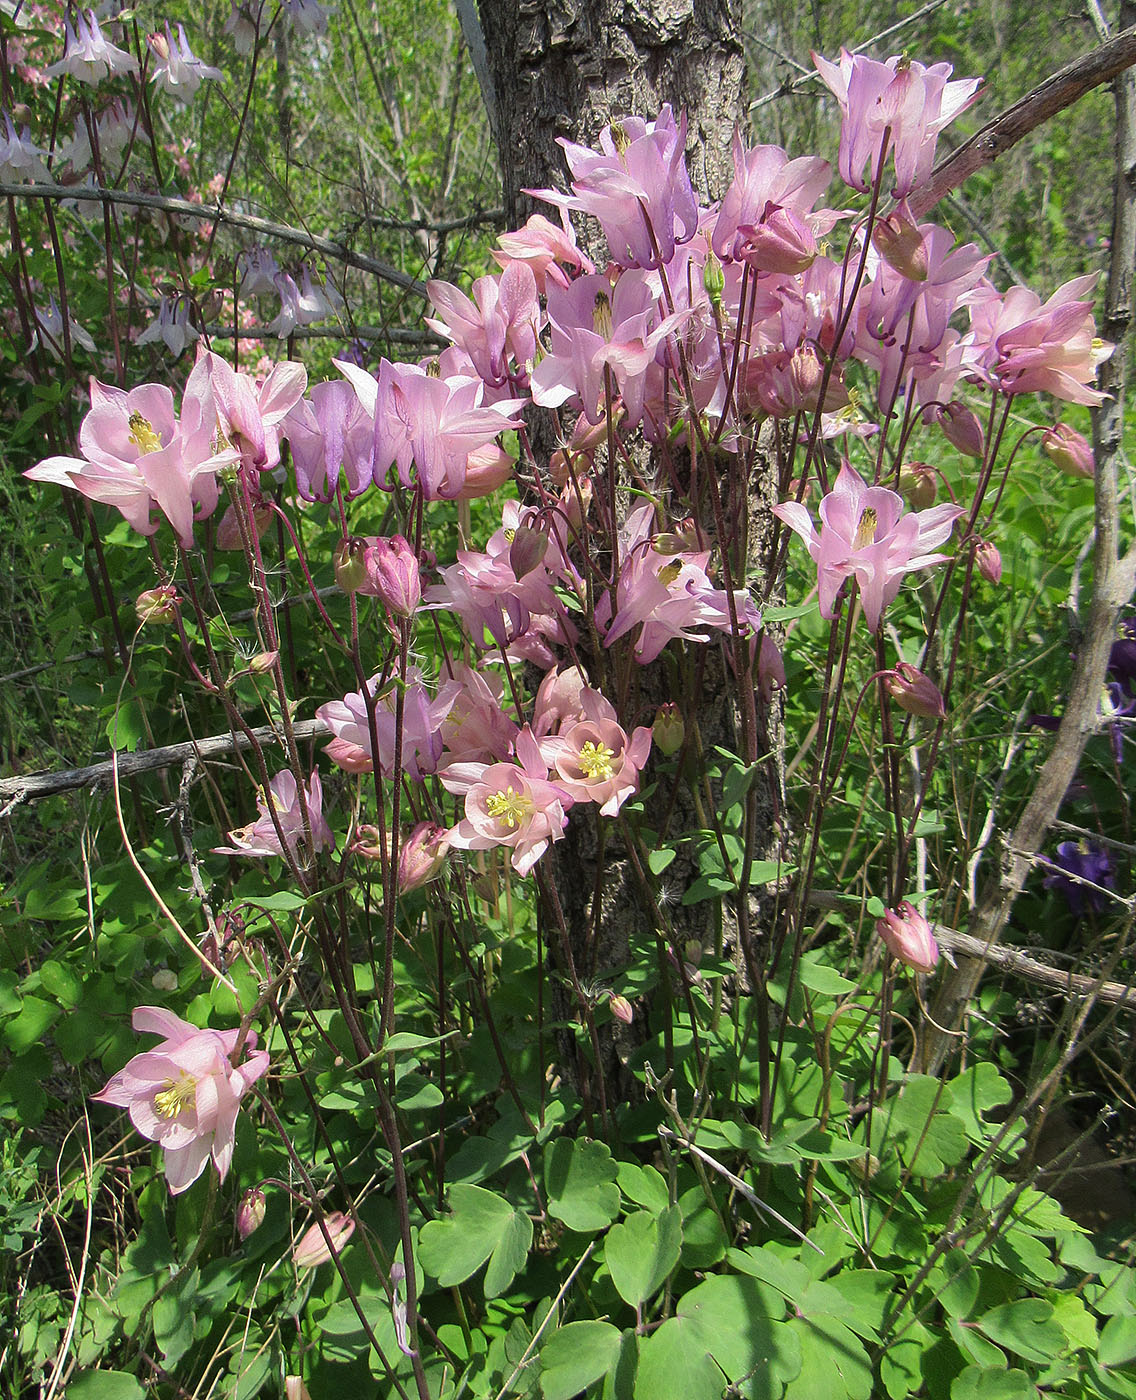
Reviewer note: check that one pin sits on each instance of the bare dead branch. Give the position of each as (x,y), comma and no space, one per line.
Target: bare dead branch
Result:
(218,214)
(1011,960)
(32,786)
(1056,93)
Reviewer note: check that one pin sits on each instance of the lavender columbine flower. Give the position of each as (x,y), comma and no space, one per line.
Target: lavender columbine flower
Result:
(1075,862)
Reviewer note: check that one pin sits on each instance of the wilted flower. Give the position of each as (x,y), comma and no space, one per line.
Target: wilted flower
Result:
(908,937)
(184,1093)
(1068,450)
(312,1248)
(918,484)
(988,561)
(1074,863)
(960,426)
(157,604)
(915,692)
(250,1212)
(421,856)
(899,241)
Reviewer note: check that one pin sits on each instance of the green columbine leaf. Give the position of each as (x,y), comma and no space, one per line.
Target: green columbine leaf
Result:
(481,1226)
(579,1177)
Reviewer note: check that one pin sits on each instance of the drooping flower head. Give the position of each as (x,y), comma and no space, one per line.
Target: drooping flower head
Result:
(184,1093)
(913,102)
(260,838)
(867,534)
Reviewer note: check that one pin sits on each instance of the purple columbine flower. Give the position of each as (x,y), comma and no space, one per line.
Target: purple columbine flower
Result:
(1074,862)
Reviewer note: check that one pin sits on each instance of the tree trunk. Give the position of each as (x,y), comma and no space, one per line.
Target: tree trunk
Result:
(567,69)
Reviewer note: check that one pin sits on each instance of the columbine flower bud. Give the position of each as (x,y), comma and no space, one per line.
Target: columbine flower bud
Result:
(295,1389)
(961,428)
(908,937)
(988,561)
(621,1009)
(527,550)
(161,48)
(422,856)
(392,575)
(668,731)
(914,692)
(713,279)
(782,242)
(1068,450)
(918,484)
(898,241)
(250,1212)
(263,662)
(350,569)
(157,604)
(312,1248)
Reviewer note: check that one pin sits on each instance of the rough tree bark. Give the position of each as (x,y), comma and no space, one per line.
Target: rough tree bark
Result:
(568,69)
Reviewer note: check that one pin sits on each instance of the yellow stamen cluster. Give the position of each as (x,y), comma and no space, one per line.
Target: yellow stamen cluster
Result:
(669,572)
(175,1097)
(866,529)
(142,434)
(595,761)
(511,807)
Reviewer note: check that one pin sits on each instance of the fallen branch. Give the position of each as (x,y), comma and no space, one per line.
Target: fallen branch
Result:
(1008,959)
(32,786)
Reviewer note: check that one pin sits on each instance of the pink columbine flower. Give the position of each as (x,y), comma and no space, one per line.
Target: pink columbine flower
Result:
(249,412)
(137,454)
(593,758)
(330,434)
(184,1093)
(260,837)
(509,804)
(914,102)
(178,70)
(20,156)
(500,323)
(430,427)
(908,937)
(1024,347)
(596,327)
(422,855)
(87,55)
(637,185)
(670,595)
(172,326)
(476,728)
(914,691)
(392,575)
(421,722)
(866,534)
(765,178)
